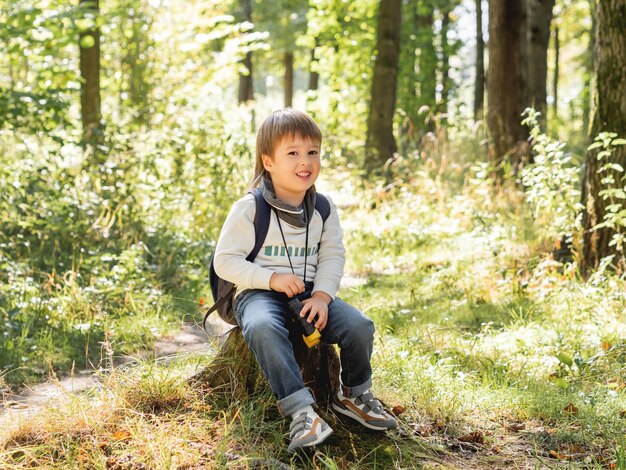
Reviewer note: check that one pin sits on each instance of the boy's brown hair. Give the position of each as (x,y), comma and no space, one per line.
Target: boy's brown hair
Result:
(287,122)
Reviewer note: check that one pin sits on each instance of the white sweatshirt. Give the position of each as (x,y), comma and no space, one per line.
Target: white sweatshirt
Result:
(236,241)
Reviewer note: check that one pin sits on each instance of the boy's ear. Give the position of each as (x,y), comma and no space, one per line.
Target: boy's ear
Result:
(267,162)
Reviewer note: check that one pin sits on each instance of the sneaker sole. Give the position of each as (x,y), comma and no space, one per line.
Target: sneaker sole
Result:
(322,437)
(347,413)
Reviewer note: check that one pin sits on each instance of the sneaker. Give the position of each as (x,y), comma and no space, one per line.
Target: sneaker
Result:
(366,409)
(307,429)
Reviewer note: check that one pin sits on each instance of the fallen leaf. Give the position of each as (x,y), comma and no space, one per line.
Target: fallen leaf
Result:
(615,384)
(475,437)
(606,345)
(556,455)
(570,408)
(16,405)
(440,423)
(398,410)
(121,435)
(515,427)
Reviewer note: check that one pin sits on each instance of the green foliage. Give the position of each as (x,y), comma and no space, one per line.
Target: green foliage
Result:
(613,180)
(551,183)
(36,95)
(345,35)
(90,249)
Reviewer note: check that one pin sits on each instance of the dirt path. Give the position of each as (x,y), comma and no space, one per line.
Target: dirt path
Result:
(189,339)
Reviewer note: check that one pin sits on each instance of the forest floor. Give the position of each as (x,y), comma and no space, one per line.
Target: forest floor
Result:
(15,406)
(504,445)
(492,354)
(513,449)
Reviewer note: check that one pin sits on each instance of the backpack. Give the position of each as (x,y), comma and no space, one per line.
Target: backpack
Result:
(224,291)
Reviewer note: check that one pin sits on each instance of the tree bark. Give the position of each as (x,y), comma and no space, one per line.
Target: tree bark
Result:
(445,63)
(590,66)
(539,21)
(506,85)
(234,371)
(555,78)
(246,89)
(380,143)
(609,115)
(288,62)
(479,83)
(89,42)
(314,76)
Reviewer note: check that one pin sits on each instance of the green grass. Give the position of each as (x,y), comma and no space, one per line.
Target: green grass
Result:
(495,354)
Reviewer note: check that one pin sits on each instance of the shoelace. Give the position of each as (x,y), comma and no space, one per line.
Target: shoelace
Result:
(370,403)
(300,424)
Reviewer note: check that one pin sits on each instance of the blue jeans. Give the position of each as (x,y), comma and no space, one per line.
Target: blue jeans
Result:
(262,316)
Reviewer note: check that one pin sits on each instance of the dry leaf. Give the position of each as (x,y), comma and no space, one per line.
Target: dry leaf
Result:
(615,384)
(476,437)
(121,435)
(571,409)
(606,345)
(16,405)
(440,423)
(398,410)
(556,455)
(515,427)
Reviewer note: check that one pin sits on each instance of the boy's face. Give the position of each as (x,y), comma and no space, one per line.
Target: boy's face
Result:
(294,167)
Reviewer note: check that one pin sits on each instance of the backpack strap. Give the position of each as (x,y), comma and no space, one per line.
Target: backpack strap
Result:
(322,206)
(262,218)
(261,223)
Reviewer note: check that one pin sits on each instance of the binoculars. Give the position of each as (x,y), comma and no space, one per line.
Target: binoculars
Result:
(310,335)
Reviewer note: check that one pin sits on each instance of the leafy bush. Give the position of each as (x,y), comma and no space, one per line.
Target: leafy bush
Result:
(612,174)
(552,184)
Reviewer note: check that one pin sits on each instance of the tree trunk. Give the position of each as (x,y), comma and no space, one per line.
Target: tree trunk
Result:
(506,84)
(380,143)
(479,83)
(555,78)
(288,62)
(590,66)
(246,90)
(427,67)
(90,112)
(314,76)
(539,20)
(445,63)
(234,371)
(609,115)
(407,77)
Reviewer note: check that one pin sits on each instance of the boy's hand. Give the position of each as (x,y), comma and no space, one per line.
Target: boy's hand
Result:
(316,305)
(290,284)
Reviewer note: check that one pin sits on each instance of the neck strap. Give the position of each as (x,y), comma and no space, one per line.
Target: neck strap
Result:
(306,241)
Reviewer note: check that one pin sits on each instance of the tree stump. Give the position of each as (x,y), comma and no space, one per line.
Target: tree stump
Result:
(234,370)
